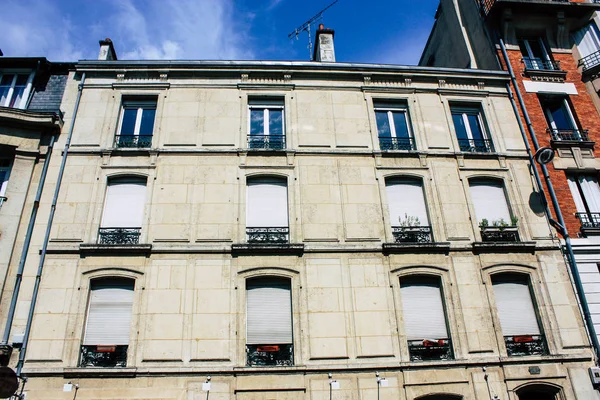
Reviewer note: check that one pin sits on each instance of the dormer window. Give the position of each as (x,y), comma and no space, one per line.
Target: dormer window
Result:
(15,89)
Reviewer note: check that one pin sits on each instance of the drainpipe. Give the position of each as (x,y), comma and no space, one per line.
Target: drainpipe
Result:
(560,224)
(38,277)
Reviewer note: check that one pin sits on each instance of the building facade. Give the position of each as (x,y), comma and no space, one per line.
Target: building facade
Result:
(284,230)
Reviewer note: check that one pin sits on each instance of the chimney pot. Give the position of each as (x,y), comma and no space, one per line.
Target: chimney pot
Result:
(324,50)
(107,50)
(321,27)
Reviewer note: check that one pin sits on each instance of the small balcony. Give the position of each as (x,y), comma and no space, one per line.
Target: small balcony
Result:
(499,234)
(590,223)
(541,65)
(568,135)
(591,63)
(266,142)
(103,356)
(274,355)
(394,143)
(476,145)
(525,345)
(119,236)
(412,234)
(133,141)
(430,350)
(264,235)
(487,6)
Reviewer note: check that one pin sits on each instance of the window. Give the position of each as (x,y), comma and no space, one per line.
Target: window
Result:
(123,211)
(393,126)
(491,211)
(587,40)
(267,210)
(586,194)
(266,123)
(517,315)
(535,55)
(561,120)
(14,89)
(424,318)
(269,339)
(408,213)
(5,164)
(470,130)
(137,123)
(108,323)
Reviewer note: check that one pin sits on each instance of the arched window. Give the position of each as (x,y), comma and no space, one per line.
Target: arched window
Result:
(123,211)
(407,209)
(440,397)
(538,392)
(108,323)
(492,211)
(267,210)
(269,338)
(517,314)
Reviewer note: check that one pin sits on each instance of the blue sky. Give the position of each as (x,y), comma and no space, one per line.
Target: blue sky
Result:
(377,31)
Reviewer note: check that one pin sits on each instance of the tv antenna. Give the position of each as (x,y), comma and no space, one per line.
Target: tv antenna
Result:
(305,27)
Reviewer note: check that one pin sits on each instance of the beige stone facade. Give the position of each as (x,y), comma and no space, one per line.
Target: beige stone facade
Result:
(189,301)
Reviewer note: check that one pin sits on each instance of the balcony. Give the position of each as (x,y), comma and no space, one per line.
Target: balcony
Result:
(430,350)
(393,143)
(476,145)
(266,142)
(542,65)
(133,141)
(525,345)
(499,234)
(278,355)
(103,356)
(119,236)
(590,223)
(590,63)
(487,6)
(268,235)
(412,234)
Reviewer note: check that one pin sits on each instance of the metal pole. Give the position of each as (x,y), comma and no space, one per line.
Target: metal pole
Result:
(561,223)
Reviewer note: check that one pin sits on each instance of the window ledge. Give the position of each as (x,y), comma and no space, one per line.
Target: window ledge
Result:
(267,248)
(550,75)
(416,247)
(502,247)
(89,372)
(33,119)
(561,144)
(112,249)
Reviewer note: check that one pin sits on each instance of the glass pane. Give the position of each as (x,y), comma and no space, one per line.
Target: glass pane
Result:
(275,122)
(147,124)
(459,126)
(3,95)
(17,96)
(400,124)
(6,80)
(128,124)
(560,116)
(536,49)
(22,80)
(476,130)
(383,124)
(257,122)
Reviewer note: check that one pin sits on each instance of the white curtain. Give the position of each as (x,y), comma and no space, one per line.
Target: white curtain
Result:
(268,311)
(587,40)
(489,201)
(266,204)
(576,194)
(591,192)
(515,308)
(423,309)
(124,206)
(405,198)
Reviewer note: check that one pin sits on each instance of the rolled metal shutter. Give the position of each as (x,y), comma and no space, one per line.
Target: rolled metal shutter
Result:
(489,200)
(515,307)
(268,311)
(423,308)
(405,198)
(266,204)
(124,206)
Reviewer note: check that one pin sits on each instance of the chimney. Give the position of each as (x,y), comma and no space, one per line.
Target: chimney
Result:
(324,50)
(107,51)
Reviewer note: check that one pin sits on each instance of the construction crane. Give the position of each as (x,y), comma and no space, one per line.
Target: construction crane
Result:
(305,27)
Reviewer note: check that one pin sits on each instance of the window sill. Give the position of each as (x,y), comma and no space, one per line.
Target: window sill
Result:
(416,247)
(549,75)
(112,249)
(503,247)
(91,372)
(267,249)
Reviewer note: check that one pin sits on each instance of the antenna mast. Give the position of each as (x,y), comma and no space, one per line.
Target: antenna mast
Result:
(305,27)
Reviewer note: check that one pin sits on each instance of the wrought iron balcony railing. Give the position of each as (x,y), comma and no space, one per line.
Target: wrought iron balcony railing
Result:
(273,355)
(574,135)
(266,142)
(392,143)
(119,235)
(590,61)
(487,5)
(542,65)
(2,200)
(103,356)
(476,145)
(412,234)
(525,345)
(430,350)
(589,220)
(133,141)
(499,234)
(268,235)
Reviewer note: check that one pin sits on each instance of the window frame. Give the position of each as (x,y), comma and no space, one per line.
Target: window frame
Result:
(138,103)
(565,105)
(391,107)
(8,169)
(466,109)
(533,60)
(26,92)
(411,231)
(266,103)
(273,234)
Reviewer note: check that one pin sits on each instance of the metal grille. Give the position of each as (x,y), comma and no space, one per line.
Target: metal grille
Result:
(575,135)
(487,5)
(267,142)
(412,234)
(103,356)
(589,220)
(119,235)
(430,350)
(279,355)
(539,64)
(133,141)
(498,234)
(476,145)
(2,200)
(268,235)
(392,143)
(590,61)
(525,345)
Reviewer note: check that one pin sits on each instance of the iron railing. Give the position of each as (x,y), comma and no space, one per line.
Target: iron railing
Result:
(412,234)
(589,220)
(393,143)
(266,142)
(430,350)
(590,61)
(103,356)
(476,145)
(2,200)
(487,5)
(542,65)
(133,141)
(525,345)
(268,235)
(499,234)
(119,235)
(574,135)
(278,355)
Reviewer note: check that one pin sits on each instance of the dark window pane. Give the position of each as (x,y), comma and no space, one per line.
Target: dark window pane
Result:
(275,122)
(128,125)
(147,124)
(383,124)
(257,122)
(6,80)
(459,126)
(476,130)
(400,124)
(560,115)
(22,80)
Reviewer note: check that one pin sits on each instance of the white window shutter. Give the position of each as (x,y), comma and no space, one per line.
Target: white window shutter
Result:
(266,203)
(423,309)
(587,40)
(268,311)
(576,194)
(515,308)
(591,192)
(405,198)
(489,200)
(124,206)
(109,313)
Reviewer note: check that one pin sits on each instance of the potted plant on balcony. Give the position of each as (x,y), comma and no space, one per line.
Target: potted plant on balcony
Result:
(499,230)
(411,230)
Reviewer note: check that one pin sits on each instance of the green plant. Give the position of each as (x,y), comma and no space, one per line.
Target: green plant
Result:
(484,223)
(409,221)
(514,220)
